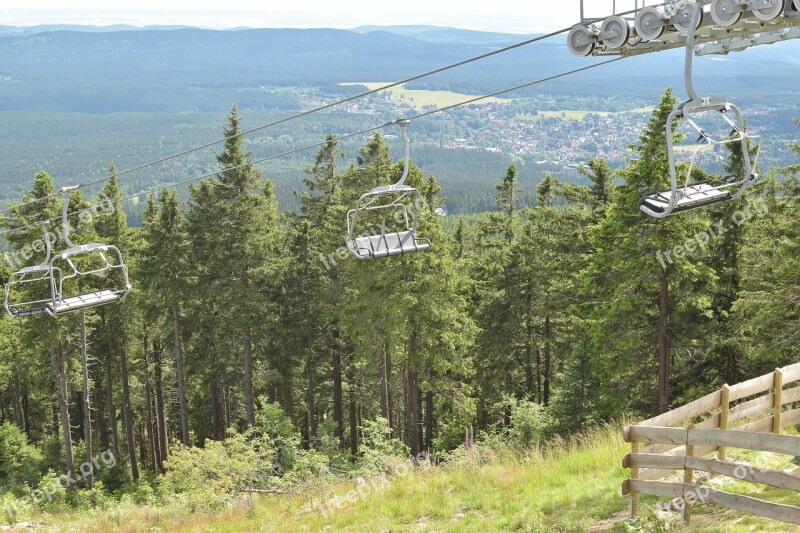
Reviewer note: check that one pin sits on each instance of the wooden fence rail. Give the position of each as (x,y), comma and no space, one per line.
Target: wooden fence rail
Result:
(728,418)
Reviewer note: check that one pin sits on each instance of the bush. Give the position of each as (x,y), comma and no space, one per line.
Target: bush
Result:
(88,499)
(13,509)
(51,492)
(276,424)
(379,446)
(529,424)
(211,476)
(20,463)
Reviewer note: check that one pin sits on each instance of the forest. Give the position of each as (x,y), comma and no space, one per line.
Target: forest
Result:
(254,351)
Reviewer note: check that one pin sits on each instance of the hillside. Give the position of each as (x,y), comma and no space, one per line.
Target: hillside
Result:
(567,487)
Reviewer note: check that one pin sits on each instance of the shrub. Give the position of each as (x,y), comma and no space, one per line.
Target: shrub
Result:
(20,462)
(276,424)
(211,476)
(379,446)
(51,492)
(529,423)
(14,509)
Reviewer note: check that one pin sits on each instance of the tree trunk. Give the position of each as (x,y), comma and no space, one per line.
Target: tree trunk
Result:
(387,380)
(338,409)
(26,410)
(663,344)
(101,421)
(548,346)
(87,404)
(127,413)
(148,392)
(539,374)
(59,367)
(412,410)
(112,411)
(163,443)
(78,430)
(176,328)
(311,392)
(143,445)
(217,408)
(353,422)
(428,446)
(529,377)
(382,381)
(249,405)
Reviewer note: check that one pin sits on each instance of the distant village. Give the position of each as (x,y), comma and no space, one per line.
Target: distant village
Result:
(566,139)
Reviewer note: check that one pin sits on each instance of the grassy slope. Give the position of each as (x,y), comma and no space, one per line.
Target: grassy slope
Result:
(567,487)
(566,490)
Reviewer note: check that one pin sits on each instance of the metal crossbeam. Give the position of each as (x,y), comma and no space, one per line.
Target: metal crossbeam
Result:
(732,26)
(736,44)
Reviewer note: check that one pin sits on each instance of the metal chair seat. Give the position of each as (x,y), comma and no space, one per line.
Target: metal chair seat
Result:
(693,196)
(82,301)
(388,244)
(402,202)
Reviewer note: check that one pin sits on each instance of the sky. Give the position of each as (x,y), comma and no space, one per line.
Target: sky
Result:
(511,16)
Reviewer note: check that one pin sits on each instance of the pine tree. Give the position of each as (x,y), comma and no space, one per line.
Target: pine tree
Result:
(646,297)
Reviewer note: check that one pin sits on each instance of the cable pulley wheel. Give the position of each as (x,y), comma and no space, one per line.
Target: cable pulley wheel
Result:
(649,23)
(683,20)
(619,30)
(769,12)
(581,41)
(725,12)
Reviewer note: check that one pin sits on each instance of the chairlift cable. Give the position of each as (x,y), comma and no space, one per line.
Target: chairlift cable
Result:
(316,110)
(320,144)
(512,89)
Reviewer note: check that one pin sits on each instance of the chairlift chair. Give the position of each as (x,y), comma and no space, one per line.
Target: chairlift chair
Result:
(690,196)
(393,199)
(68,265)
(36,278)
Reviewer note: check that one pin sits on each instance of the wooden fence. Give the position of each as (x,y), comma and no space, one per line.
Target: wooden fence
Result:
(749,415)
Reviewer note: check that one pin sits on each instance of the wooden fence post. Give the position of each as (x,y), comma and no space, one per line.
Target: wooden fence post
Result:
(688,479)
(778,403)
(634,475)
(725,407)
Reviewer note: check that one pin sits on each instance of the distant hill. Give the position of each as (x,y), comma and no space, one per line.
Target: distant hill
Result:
(439,34)
(42,28)
(185,61)
(86,96)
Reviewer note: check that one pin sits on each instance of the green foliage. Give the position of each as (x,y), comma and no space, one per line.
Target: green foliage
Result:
(212,476)
(379,447)
(20,462)
(534,319)
(529,424)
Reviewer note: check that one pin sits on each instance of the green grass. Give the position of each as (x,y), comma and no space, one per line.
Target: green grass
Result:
(420,99)
(564,487)
(560,487)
